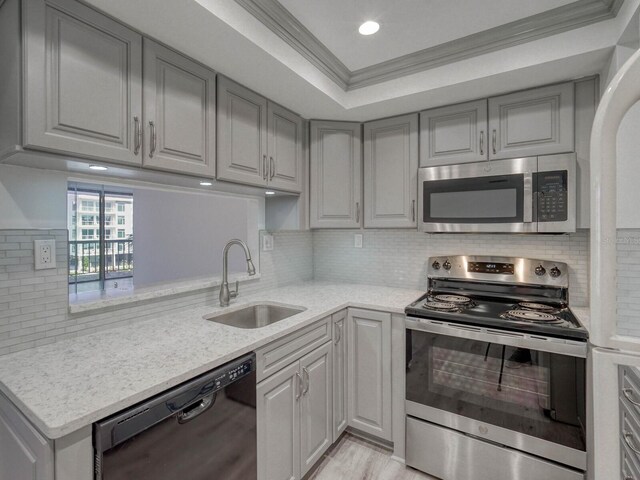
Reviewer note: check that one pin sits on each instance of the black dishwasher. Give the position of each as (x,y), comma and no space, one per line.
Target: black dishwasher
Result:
(204,429)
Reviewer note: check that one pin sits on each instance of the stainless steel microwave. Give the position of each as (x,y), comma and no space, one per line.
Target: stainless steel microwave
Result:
(519,195)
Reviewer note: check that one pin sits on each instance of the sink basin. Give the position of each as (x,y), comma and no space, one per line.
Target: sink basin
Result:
(255,315)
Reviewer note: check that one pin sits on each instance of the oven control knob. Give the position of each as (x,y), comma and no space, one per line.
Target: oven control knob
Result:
(436,265)
(446,265)
(540,270)
(555,272)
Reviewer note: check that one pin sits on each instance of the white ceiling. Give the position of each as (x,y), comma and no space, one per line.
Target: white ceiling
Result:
(406,26)
(224,36)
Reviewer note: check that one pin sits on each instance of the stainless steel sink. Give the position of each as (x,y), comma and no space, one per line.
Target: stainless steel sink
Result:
(255,315)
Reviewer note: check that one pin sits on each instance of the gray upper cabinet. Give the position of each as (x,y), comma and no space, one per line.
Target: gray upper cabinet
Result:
(259,142)
(336,175)
(369,379)
(454,134)
(179,112)
(82,85)
(285,148)
(532,122)
(26,455)
(242,134)
(391,172)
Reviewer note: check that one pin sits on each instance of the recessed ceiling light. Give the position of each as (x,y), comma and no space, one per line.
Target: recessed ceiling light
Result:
(369,28)
(269,192)
(206,184)
(98,167)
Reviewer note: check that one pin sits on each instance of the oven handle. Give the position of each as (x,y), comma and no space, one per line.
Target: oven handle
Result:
(551,345)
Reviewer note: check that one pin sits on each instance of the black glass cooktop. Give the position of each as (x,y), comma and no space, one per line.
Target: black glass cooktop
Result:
(490,312)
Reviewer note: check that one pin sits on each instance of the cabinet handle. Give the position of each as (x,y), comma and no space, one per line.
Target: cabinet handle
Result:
(339,330)
(265,172)
(493,141)
(629,394)
(413,210)
(299,384)
(272,168)
(628,439)
(152,140)
(306,384)
(482,142)
(357,212)
(137,133)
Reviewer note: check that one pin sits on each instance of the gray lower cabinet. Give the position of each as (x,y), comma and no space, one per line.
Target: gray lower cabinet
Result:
(336,175)
(340,399)
(82,82)
(369,372)
(391,172)
(179,113)
(454,134)
(26,454)
(259,142)
(533,122)
(294,411)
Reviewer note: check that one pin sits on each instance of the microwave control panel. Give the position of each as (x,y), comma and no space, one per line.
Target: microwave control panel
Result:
(551,196)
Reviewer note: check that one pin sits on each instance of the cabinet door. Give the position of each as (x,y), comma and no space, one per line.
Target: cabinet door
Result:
(369,379)
(336,175)
(179,112)
(25,454)
(454,134)
(242,134)
(83,87)
(285,149)
(533,122)
(316,407)
(278,425)
(391,172)
(340,419)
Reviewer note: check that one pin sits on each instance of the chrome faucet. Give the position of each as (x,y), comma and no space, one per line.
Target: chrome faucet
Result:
(225,294)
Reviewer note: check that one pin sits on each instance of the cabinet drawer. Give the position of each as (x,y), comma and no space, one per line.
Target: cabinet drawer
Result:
(630,388)
(282,352)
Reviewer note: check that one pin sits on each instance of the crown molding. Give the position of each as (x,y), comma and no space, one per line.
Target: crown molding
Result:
(552,22)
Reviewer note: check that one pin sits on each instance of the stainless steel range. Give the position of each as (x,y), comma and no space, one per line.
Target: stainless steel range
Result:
(495,385)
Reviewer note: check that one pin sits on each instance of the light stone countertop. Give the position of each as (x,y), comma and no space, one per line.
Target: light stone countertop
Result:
(68,385)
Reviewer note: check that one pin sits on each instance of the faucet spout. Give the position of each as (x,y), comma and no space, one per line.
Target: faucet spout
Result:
(225,294)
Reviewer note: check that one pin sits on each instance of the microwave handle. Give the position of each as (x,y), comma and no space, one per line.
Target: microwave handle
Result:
(527,204)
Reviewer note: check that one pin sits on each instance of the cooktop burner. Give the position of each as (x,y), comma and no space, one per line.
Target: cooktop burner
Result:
(442,306)
(538,307)
(457,299)
(533,316)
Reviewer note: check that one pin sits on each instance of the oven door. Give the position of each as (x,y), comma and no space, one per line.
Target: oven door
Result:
(478,197)
(516,390)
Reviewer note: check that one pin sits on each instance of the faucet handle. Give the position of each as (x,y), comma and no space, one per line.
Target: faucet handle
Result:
(234,294)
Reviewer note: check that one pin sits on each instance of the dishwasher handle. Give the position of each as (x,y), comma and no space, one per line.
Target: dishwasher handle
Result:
(193,411)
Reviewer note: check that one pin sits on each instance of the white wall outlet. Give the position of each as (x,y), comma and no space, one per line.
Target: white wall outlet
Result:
(45,254)
(267,242)
(357,240)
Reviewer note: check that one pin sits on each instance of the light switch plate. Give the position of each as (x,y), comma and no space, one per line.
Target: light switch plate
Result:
(357,240)
(267,242)
(45,254)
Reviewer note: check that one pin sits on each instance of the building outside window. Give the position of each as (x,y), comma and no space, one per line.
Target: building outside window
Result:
(97,259)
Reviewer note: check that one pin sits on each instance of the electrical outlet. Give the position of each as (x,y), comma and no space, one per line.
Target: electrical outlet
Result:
(45,254)
(357,240)
(267,242)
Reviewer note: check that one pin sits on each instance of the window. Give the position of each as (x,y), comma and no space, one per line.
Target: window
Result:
(97,259)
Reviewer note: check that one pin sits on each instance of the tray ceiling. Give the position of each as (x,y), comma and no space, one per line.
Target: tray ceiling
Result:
(415,35)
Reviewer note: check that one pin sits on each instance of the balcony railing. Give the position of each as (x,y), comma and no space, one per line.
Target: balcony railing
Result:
(84,260)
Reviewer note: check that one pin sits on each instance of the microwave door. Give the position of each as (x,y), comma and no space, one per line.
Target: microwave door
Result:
(485,203)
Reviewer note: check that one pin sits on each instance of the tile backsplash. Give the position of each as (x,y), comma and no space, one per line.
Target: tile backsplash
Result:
(34,303)
(398,258)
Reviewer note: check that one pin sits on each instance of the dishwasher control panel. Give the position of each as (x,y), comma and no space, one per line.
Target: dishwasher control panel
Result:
(235,373)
